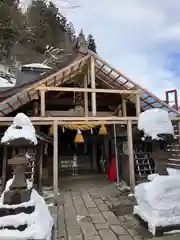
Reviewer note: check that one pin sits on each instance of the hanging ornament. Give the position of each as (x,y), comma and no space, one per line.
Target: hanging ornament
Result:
(79,137)
(63,130)
(51,131)
(91,131)
(103,130)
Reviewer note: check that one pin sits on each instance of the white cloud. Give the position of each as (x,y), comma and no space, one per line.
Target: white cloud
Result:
(136,36)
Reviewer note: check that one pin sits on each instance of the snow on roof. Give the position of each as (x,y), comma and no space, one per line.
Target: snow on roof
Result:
(4,82)
(36,65)
(155,121)
(27,130)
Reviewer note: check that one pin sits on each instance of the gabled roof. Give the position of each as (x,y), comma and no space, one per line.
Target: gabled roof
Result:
(116,79)
(106,74)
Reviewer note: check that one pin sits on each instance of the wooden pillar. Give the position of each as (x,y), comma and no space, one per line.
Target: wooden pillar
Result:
(55,159)
(116,154)
(86,97)
(124,107)
(42,103)
(4,168)
(94,154)
(41,167)
(179,131)
(106,150)
(131,155)
(138,105)
(93,86)
(36,108)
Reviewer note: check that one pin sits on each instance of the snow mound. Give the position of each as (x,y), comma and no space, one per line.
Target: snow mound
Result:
(172,171)
(40,222)
(152,176)
(155,121)
(21,128)
(159,201)
(37,65)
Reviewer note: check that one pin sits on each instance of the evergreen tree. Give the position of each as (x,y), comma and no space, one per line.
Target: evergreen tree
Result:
(71,30)
(91,43)
(11,26)
(44,20)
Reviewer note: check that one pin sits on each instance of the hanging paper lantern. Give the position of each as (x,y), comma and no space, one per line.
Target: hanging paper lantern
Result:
(79,137)
(51,131)
(103,130)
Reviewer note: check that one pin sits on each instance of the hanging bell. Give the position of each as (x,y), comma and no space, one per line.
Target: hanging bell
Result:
(79,137)
(103,130)
(51,131)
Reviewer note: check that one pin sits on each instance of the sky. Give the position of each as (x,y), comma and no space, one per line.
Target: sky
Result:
(141,38)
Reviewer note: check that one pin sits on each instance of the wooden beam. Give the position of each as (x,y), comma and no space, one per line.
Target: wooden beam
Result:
(86,96)
(138,105)
(48,121)
(124,107)
(131,156)
(69,119)
(55,160)
(91,90)
(43,109)
(93,87)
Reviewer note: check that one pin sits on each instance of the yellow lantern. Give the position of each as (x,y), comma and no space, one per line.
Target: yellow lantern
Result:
(51,131)
(79,137)
(103,130)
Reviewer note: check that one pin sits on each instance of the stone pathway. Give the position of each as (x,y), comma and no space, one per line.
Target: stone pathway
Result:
(86,213)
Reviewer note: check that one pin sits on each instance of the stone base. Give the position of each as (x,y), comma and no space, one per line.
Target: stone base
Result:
(14,197)
(14,211)
(20,228)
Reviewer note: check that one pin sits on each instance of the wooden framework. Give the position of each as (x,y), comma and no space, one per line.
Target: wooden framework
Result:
(94,70)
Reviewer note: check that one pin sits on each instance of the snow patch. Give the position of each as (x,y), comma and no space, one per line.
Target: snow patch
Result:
(37,65)
(26,131)
(172,171)
(151,177)
(155,121)
(6,83)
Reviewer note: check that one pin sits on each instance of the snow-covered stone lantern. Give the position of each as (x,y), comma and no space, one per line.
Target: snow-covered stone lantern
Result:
(158,132)
(23,212)
(20,135)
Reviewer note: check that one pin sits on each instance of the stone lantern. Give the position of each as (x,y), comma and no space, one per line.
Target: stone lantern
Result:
(20,136)
(157,133)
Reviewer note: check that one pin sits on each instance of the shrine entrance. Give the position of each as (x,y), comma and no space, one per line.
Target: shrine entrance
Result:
(92,157)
